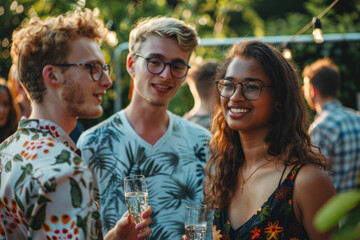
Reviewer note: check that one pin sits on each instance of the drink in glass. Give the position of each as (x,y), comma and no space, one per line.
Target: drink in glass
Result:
(136,196)
(195,221)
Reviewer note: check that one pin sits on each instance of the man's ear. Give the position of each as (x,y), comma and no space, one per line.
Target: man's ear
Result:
(51,75)
(130,65)
(313,91)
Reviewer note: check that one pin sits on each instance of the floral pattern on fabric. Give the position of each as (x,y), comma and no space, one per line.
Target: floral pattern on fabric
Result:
(275,220)
(45,187)
(62,227)
(12,216)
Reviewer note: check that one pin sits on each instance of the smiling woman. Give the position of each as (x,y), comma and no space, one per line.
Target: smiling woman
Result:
(263,177)
(9,111)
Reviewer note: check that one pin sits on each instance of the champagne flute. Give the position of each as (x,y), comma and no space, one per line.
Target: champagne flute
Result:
(136,196)
(195,221)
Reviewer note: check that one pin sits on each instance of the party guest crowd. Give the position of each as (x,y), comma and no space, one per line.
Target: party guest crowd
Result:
(261,171)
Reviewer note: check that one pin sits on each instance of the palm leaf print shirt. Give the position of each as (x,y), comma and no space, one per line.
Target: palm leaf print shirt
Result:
(45,187)
(173,167)
(275,220)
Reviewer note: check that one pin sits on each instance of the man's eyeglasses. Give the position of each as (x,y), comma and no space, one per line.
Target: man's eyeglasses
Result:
(156,65)
(250,90)
(96,69)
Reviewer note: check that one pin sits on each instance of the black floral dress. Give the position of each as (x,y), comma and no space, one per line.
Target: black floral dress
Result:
(274,220)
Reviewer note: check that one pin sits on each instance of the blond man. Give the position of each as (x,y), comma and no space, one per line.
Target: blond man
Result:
(145,138)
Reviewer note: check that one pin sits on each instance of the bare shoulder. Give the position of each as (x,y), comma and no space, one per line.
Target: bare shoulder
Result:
(312,189)
(312,177)
(312,182)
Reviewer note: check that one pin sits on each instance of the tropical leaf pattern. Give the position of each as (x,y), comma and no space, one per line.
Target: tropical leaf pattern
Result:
(173,167)
(274,220)
(45,188)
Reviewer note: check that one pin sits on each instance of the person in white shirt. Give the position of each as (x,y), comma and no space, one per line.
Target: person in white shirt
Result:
(45,186)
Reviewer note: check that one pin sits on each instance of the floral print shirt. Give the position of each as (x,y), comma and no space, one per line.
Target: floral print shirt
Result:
(45,187)
(274,220)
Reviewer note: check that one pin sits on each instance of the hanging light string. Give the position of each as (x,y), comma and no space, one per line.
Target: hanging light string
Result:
(311,22)
(327,9)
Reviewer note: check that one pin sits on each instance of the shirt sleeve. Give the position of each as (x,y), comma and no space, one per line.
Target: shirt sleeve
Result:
(324,137)
(64,205)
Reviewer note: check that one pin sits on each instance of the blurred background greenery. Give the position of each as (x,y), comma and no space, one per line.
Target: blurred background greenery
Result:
(212,19)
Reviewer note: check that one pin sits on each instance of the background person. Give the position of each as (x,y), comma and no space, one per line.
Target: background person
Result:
(263,177)
(201,81)
(9,111)
(147,139)
(46,188)
(19,92)
(336,129)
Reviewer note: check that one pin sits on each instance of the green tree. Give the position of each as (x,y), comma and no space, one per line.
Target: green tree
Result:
(212,19)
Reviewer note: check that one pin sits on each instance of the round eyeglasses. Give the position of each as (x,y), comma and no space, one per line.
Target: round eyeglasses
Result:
(96,69)
(156,65)
(250,90)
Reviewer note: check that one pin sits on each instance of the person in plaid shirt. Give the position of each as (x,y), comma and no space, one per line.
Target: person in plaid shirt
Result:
(336,129)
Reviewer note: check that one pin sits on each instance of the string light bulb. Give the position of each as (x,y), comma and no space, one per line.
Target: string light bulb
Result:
(317,33)
(111,37)
(287,51)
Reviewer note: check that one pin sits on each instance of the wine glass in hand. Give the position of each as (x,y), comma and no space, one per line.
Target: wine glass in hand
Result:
(195,221)
(136,196)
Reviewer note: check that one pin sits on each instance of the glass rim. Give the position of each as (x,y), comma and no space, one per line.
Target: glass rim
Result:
(196,206)
(134,177)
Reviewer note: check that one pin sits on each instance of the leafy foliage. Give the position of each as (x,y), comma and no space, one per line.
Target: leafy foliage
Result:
(212,19)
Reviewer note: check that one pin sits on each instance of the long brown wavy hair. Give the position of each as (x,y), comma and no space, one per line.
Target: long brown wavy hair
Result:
(287,139)
(14,114)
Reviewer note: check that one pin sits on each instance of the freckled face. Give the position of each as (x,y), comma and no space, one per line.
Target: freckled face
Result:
(81,94)
(242,114)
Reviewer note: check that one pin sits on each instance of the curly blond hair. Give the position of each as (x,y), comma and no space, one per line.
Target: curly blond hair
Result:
(166,27)
(49,41)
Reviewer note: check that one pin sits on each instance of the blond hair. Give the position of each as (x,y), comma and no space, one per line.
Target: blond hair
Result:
(165,27)
(49,41)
